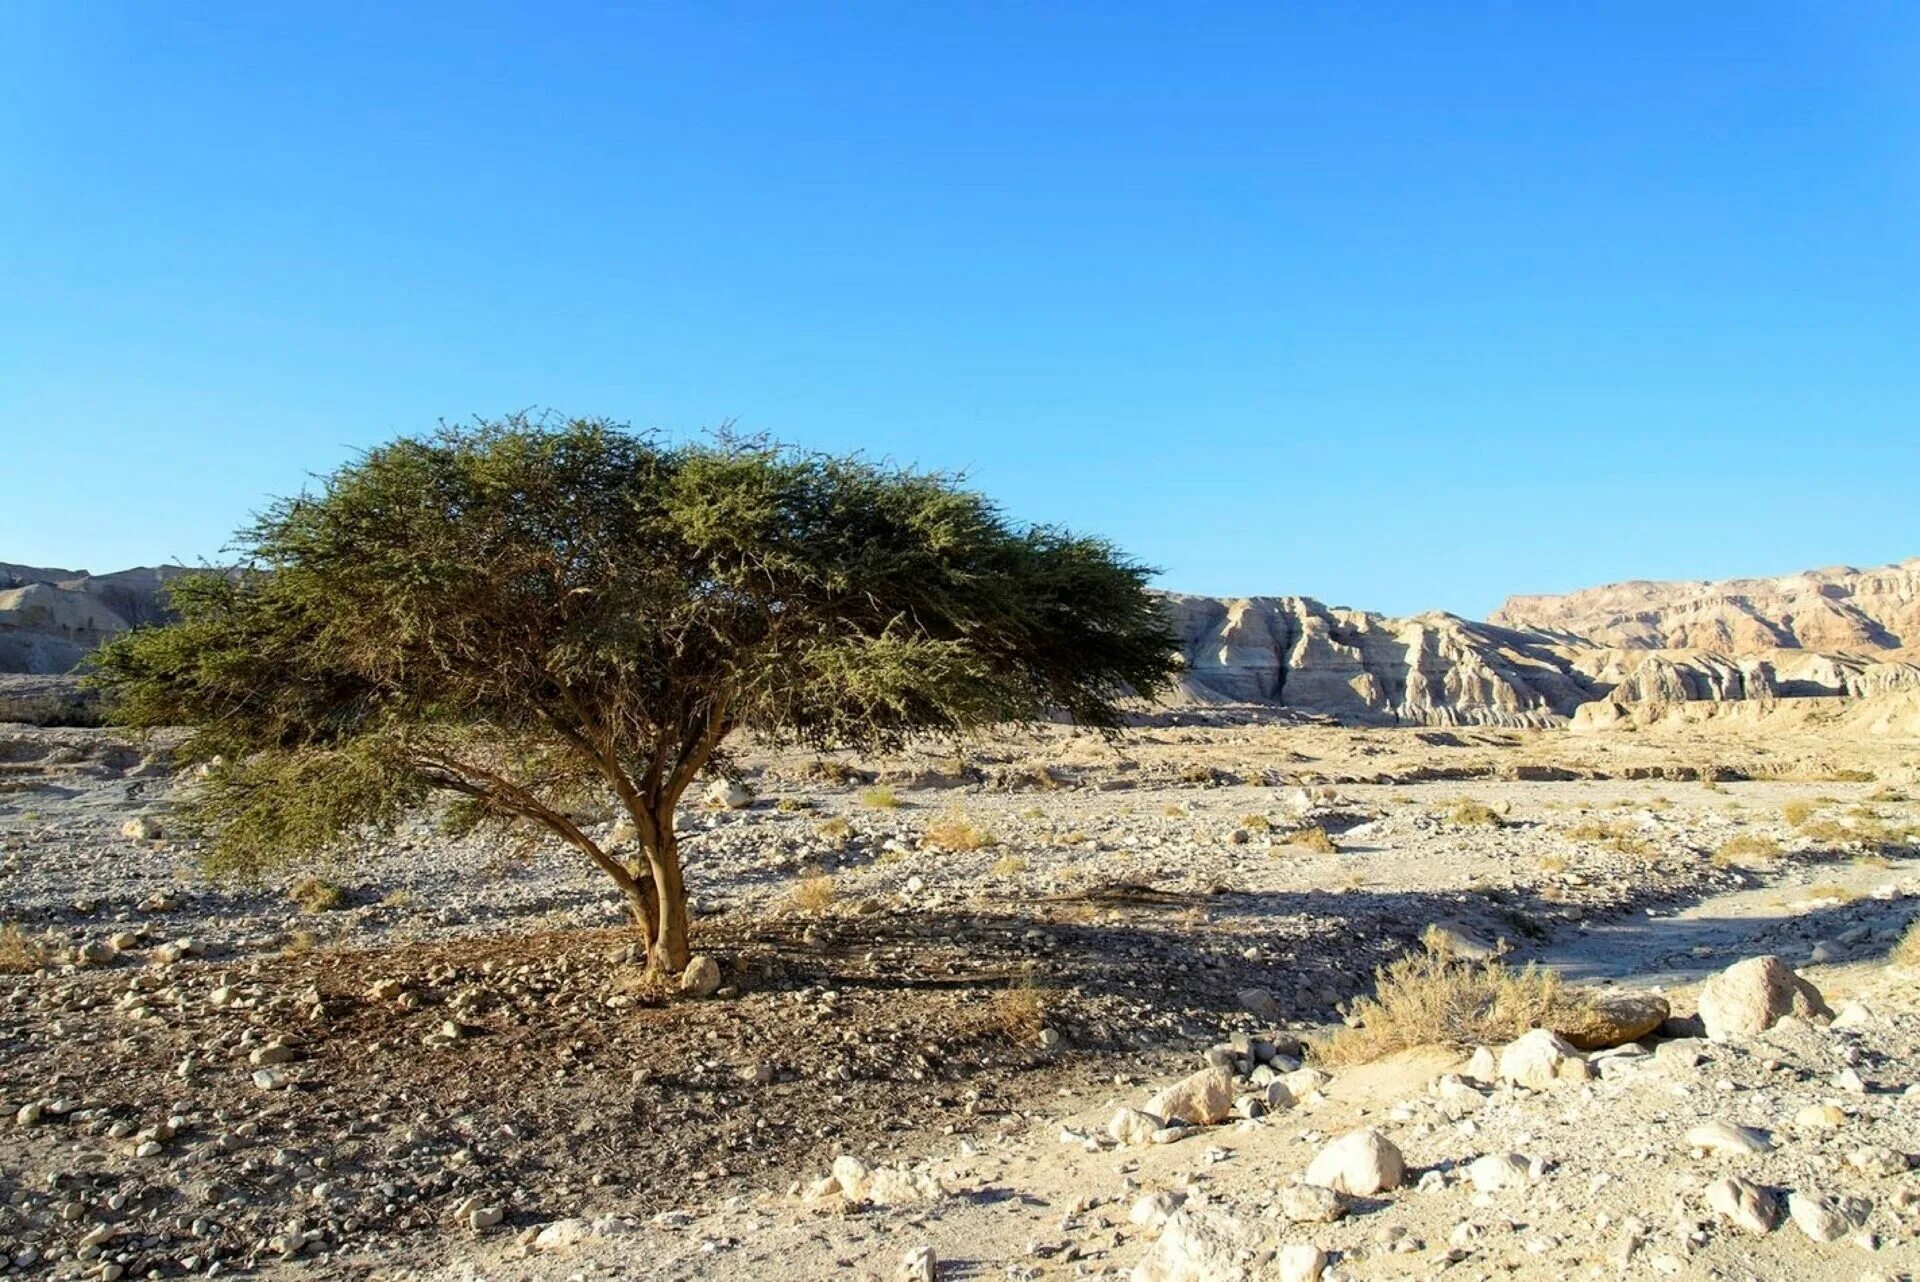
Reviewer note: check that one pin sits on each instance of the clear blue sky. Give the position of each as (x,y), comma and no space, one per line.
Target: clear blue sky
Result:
(1403,306)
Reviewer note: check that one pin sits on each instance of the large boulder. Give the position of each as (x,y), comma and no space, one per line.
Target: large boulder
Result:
(1614,1019)
(1358,1164)
(1752,996)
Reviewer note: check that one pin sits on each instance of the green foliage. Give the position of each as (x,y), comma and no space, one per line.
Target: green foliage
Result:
(531,615)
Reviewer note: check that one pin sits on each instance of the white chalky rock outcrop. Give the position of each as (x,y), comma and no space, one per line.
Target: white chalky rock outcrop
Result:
(1725,1137)
(854,1180)
(1131,1126)
(1199,1099)
(1300,1262)
(1358,1164)
(1752,996)
(1497,1172)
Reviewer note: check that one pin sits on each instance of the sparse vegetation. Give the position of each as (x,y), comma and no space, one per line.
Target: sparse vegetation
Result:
(1194,772)
(880,797)
(1009,866)
(1467,812)
(1431,997)
(1907,951)
(1746,850)
(1619,837)
(1313,838)
(954,832)
(812,894)
(539,617)
(836,831)
(1797,813)
(21,953)
(314,894)
(792,805)
(1828,891)
(1256,823)
(1017,1013)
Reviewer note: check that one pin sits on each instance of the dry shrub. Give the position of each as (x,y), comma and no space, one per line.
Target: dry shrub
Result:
(1797,813)
(1554,863)
(1256,823)
(1314,838)
(813,894)
(834,831)
(1829,890)
(1016,1013)
(792,805)
(955,832)
(1848,776)
(1467,811)
(1436,997)
(880,798)
(1747,848)
(1009,866)
(1197,773)
(823,770)
(20,953)
(1907,951)
(317,895)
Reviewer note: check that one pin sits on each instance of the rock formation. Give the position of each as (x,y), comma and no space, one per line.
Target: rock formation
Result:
(50,619)
(1833,609)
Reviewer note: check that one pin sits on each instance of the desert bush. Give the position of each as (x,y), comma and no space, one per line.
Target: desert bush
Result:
(315,894)
(1830,890)
(1009,866)
(1468,812)
(1016,1013)
(880,797)
(1256,823)
(1845,775)
(1195,772)
(1907,951)
(1747,848)
(1797,813)
(1623,838)
(1430,997)
(21,953)
(812,894)
(792,805)
(835,831)
(954,832)
(1313,838)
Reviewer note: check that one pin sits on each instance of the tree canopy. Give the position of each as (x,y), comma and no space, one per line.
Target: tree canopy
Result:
(534,615)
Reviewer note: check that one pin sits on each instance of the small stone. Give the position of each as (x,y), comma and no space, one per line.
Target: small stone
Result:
(1878,1161)
(1300,1262)
(1497,1172)
(1540,1059)
(919,1264)
(1131,1126)
(1724,1137)
(1745,1203)
(701,978)
(1311,1204)
(1151,1210)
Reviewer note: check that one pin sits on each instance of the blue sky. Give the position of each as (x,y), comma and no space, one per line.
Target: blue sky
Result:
(1403,306)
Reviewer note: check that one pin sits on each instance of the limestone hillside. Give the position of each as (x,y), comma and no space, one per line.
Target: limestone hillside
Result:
(1833,609)
(1826,633)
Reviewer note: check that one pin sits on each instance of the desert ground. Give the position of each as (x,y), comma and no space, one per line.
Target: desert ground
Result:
(949,971)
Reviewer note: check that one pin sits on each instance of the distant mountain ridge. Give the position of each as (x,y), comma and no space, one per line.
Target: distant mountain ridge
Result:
(1535,662)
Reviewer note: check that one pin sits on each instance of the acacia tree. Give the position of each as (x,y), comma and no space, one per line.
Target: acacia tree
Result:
(534,617)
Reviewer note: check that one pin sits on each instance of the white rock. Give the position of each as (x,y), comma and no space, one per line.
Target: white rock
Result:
(919,1264)
(1197,1246)
(1131,1126)
(1498,1171)
(1749,1206)
(1311,1204)
(1725,1137)
(1824,1218)
(728,794)
(1359,1164)
(701,978)
(1540,1059)
(1150,1210)
(1878,1161)
(561,1234)
(1199,1099)
(1300,1262)
(1752,996)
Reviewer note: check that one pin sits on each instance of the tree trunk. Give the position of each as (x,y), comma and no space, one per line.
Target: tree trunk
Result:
(670,951)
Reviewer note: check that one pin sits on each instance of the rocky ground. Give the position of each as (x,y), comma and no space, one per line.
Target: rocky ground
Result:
(433,1059)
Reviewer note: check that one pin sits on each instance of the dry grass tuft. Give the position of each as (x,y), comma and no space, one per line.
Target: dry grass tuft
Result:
(835,831)
(955,832)
(1256,823)
(317,895)
(1467,811)
(1428,997)
(1314,838)
(1828,890)
(1907,951)
(1009,866)
(880,798)
(792,805)
(20,953)
(1747,849)
(813,894)
(1796,813)
(1016,1014)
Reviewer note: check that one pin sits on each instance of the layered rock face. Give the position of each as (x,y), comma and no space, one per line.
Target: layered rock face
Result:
(50,619)
(1834,609)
